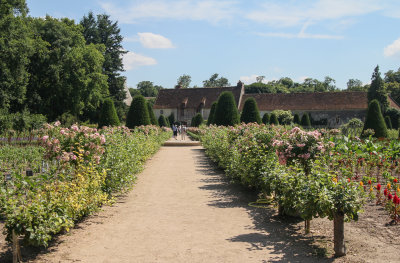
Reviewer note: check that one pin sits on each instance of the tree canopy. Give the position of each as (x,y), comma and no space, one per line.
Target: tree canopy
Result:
(215,82)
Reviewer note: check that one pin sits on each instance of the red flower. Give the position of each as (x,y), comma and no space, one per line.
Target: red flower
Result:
(385,192)
(390,196)
(369,182)
(394,180)
(396,199)
(348,180)
(378,187)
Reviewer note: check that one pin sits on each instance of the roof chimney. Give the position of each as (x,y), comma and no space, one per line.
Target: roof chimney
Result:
(240,84)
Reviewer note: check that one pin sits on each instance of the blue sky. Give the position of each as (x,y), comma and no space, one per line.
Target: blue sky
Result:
(241,39)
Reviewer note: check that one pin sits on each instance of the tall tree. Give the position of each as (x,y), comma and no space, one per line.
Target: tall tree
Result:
(355,85)
(184,81)
(250,112)
(138,113)
(148,89)
(104,31)
(66,74)
(211,117)
(16,46)
(215,82)
(377,90)
(375,120)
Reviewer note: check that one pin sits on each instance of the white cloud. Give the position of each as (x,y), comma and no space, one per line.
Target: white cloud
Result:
(299,35)
(210,10)
(150,40)
(392,49)
(298,13)
(133,60)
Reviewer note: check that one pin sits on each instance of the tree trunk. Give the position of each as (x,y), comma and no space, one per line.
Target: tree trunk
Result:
(338,232)
(307,225)
(16,250)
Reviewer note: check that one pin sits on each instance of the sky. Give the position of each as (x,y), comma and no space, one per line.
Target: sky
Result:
(243,39)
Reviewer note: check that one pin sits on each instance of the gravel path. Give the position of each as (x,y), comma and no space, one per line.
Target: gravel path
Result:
(181,210)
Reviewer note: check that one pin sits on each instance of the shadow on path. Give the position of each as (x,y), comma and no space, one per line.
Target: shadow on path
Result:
(277,235)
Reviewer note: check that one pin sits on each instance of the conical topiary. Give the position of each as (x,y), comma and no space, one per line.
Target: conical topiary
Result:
(162,121)
(138,114)
(197,120)
(250,112)
(388,122)
(211,117)
(171,118)
(153,119)
(375,120)
(273,119)
(296,119)
(226,113)
(108,114)
(265,118)
(305,121)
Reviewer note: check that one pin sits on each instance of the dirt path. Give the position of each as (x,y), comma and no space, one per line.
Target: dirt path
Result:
(182,209)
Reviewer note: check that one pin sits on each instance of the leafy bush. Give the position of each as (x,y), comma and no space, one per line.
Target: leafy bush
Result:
(353,127)
(394,115)
(265,118)
(388,122)
(226,113)
(108,114)
(273,119)
(153,119)
(375,121)
(285,117)
(305,121)
(296,119)
(162,121)
(138,113)
(197,120)
(250,112)
(171,119)
(211,117)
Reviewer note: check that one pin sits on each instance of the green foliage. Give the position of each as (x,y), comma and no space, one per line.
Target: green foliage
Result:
(184,81)
(108,115)
(215,82)
(285,117)
(375,121)
(394,115)
(162,121)
(250,112)
(20,121)
(273,119)
(148,89)
(153,119)
(197,120)
(377,90)
(296,118)
(171,119)
(305,121)
(226,113)
(265,118)
(101,30)
(352,128)
(211,117)
(388,122)
(138,113)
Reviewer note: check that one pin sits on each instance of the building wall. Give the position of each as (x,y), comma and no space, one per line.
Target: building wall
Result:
(334,119)
(187,117)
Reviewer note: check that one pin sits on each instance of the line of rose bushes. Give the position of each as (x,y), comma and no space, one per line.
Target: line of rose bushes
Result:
(293,166)
(87,168)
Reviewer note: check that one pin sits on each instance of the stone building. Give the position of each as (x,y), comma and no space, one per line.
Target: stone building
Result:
(185,103)
(326,109)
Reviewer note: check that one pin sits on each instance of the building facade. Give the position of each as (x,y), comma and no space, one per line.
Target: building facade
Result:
(326,109)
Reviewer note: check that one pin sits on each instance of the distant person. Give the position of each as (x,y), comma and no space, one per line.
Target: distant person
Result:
(183,133)
(175,130)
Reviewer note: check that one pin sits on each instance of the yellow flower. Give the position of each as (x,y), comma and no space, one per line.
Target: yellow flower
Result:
(361,183)
(388,186)
(334,179)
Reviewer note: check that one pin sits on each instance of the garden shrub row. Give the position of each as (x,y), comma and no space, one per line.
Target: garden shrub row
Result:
(309,173)
(76,170)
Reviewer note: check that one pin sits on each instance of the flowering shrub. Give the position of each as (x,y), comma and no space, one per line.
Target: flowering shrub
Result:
(87,166)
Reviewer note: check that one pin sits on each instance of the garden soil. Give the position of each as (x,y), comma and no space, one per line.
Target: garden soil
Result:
(183,209)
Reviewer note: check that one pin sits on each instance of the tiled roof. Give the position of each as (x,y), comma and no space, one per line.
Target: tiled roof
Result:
(312,101)
(193,97)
